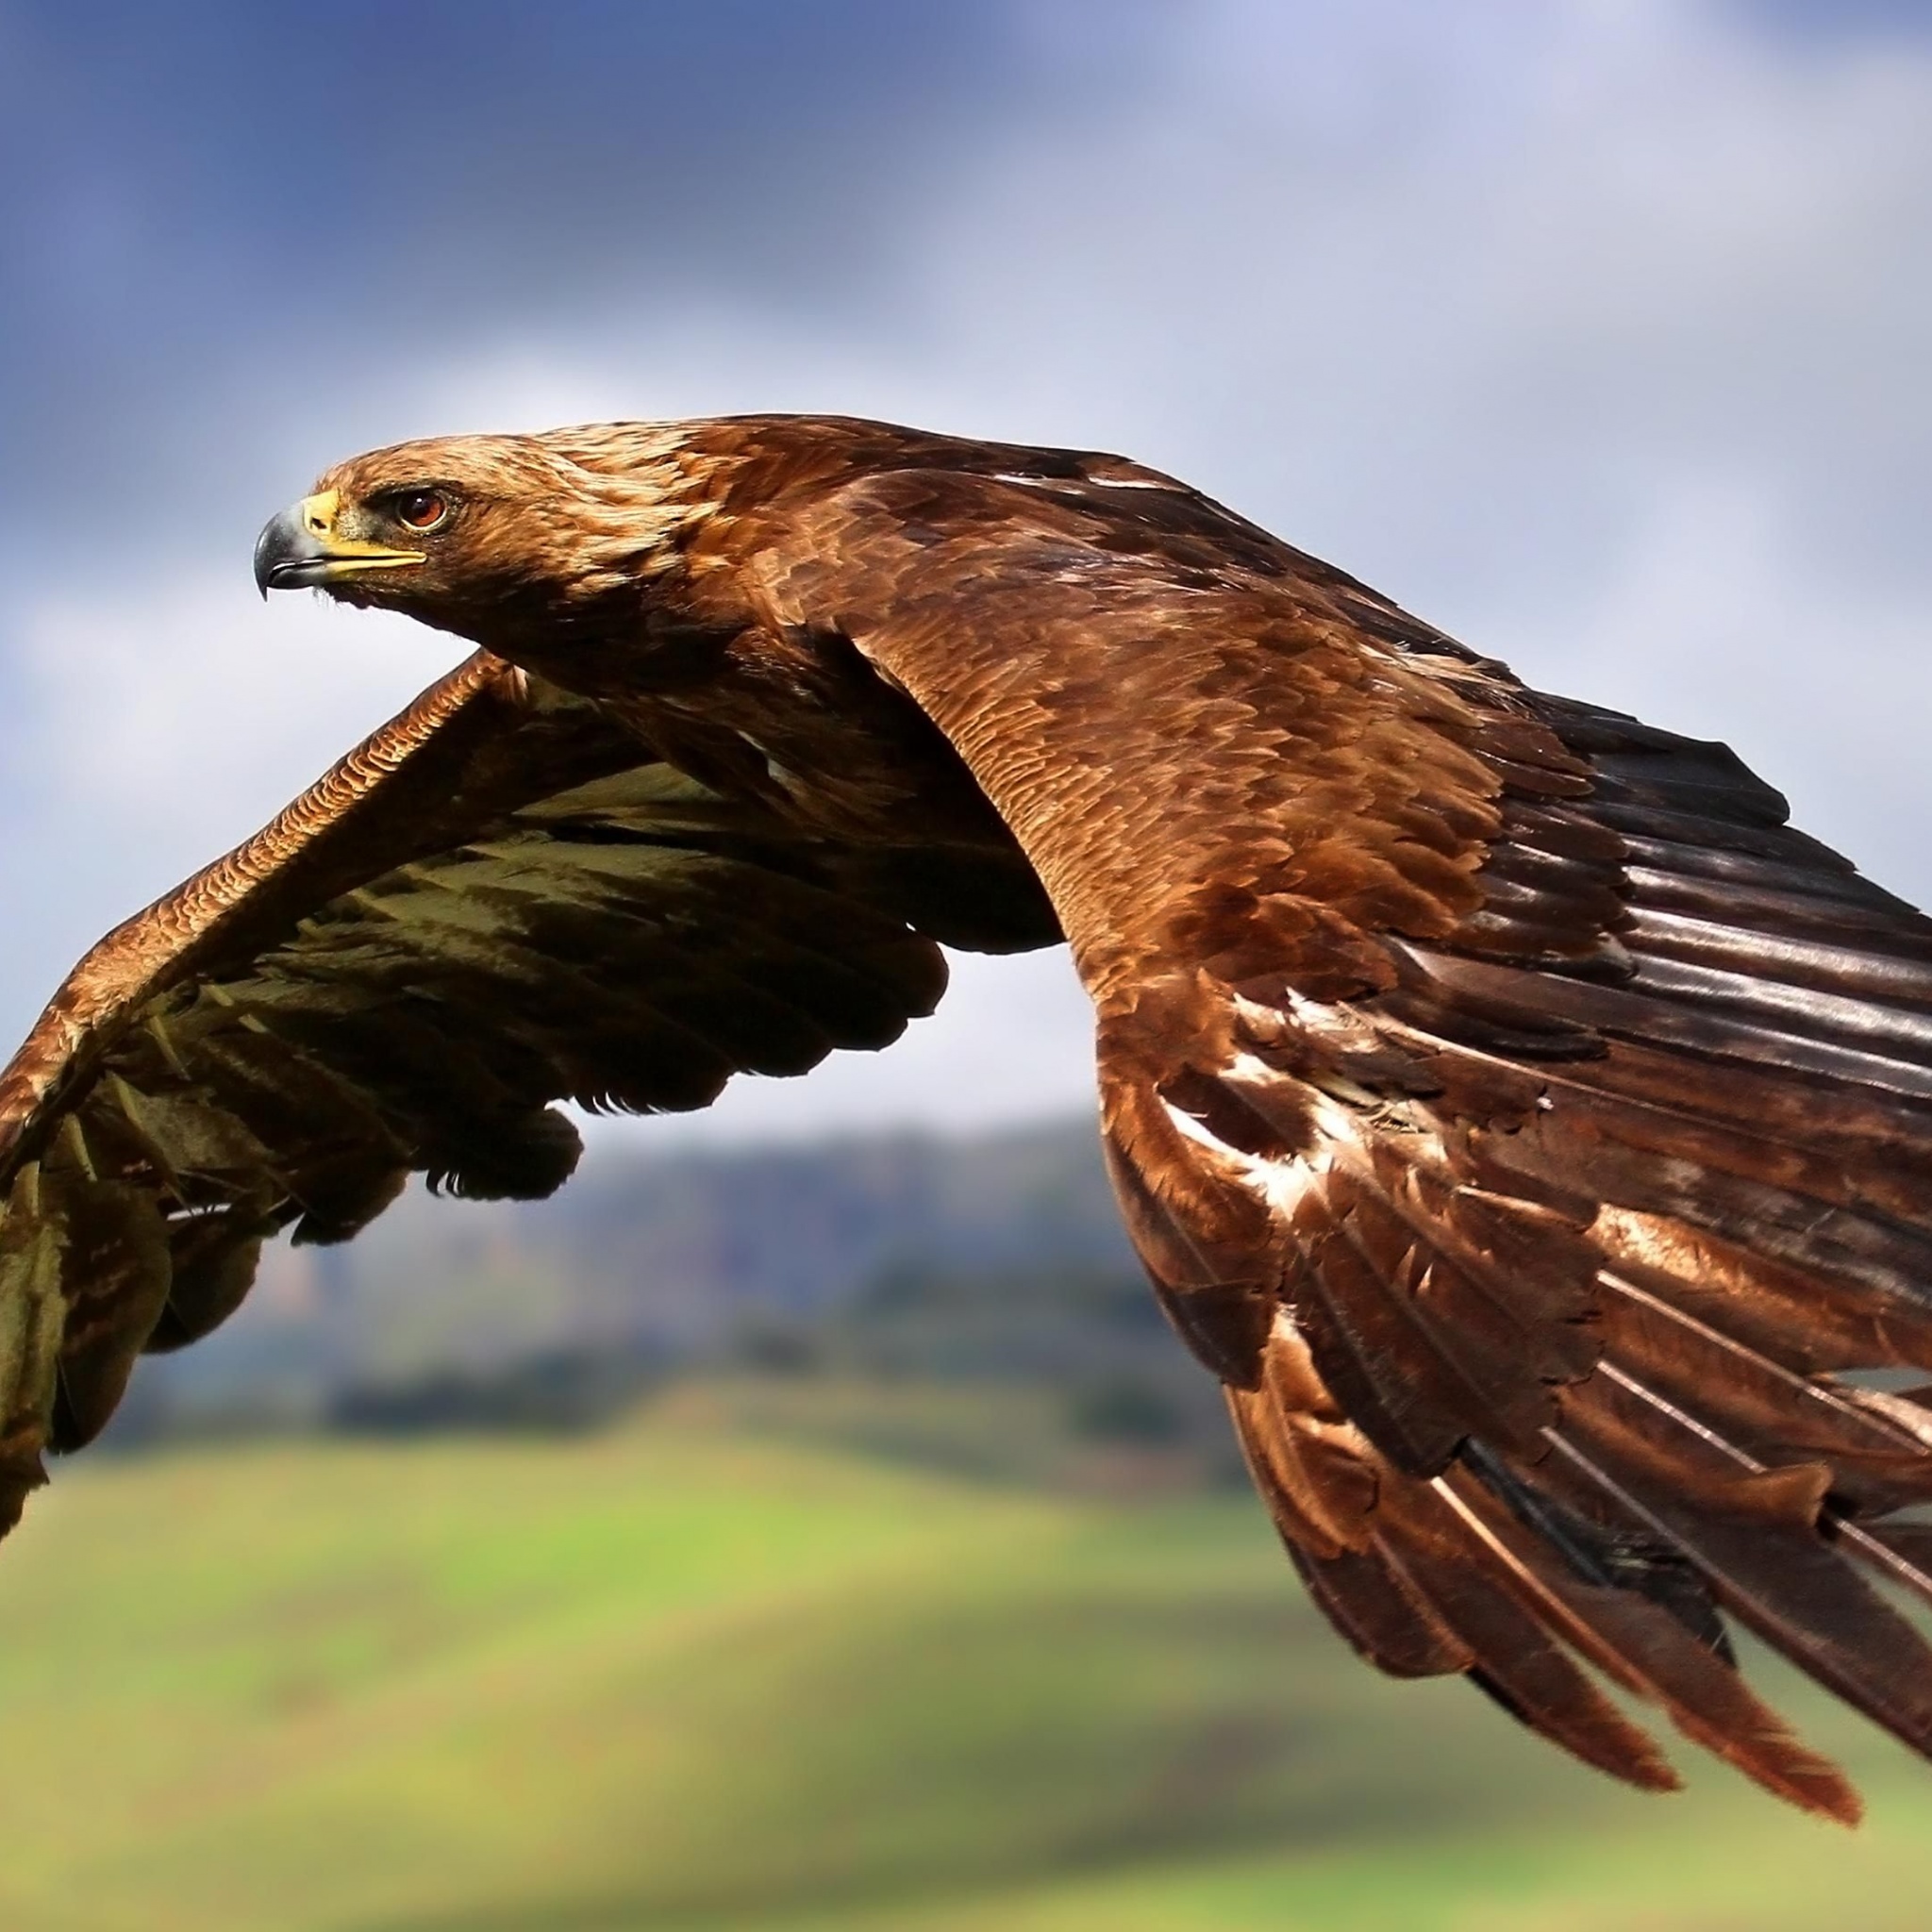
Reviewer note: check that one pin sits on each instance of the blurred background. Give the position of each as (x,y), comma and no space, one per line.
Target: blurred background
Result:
(805,1521)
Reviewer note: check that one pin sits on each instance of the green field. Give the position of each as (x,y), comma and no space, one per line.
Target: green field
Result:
(685,1676)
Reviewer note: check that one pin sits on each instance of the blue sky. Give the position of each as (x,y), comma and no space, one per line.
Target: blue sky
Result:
(1597,333)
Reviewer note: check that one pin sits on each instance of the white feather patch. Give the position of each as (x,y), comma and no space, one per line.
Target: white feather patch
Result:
(1076,482)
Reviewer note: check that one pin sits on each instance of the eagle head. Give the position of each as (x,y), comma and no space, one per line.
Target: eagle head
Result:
(482,535)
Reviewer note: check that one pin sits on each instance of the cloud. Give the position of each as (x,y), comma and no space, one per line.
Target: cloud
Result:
(1594,333)
(150,728)
(1822,681)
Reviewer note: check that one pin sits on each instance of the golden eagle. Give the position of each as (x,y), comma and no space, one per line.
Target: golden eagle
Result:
(1530,1129)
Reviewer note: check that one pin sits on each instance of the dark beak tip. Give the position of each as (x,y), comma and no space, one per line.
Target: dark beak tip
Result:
(280,544)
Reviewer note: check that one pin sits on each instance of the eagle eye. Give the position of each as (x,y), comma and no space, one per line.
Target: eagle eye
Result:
(422,509)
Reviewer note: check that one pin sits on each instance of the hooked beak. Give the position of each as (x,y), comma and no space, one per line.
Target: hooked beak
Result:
(301,549)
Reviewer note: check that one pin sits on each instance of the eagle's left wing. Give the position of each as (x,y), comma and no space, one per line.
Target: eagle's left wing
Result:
(501,900)
(1530,1129)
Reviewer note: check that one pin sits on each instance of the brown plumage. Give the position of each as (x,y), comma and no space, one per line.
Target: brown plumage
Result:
(1528,1127)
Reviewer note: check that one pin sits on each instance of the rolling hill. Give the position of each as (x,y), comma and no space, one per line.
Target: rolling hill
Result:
(712,1671)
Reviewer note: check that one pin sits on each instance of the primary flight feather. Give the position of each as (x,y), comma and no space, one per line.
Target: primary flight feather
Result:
(1528,1126)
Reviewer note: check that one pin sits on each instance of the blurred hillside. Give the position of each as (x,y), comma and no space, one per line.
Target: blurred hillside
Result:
(686,1677)
(993,1260)
(776,1543)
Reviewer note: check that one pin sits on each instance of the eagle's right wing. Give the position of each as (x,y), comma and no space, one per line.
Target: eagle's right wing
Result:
(502,899)
(1529,1127)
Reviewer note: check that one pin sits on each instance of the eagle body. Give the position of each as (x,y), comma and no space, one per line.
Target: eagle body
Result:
(1528,1127)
